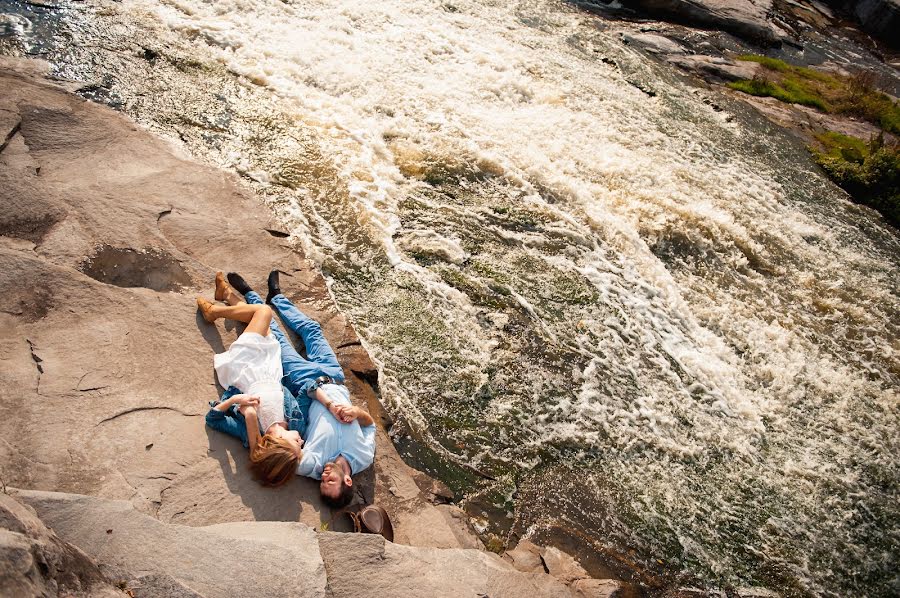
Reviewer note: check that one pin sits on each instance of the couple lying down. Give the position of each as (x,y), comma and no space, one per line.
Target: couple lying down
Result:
(294,414)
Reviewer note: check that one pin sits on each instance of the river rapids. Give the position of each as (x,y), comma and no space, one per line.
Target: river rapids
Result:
(610,308)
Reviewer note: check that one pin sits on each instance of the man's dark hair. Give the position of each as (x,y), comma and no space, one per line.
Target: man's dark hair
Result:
(344,497)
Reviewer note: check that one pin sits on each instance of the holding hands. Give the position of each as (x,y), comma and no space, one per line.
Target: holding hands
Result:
(344,413)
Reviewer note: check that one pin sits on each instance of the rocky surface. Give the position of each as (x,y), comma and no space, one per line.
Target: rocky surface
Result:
(107,236)
(34,561)
(745,18)
(880,18)
(272,558)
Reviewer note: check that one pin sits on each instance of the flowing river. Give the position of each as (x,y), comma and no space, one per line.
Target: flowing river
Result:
(613,310)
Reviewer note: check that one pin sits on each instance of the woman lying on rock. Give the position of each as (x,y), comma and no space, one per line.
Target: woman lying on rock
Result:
(340,438)
(251,369)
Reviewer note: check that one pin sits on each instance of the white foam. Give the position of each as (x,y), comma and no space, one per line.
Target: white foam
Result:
(755,346)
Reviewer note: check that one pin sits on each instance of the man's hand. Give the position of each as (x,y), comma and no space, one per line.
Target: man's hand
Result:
(344,413)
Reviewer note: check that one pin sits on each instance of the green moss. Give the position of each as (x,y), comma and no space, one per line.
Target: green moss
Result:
(489,295)
(495,544)
(774,64)
(869,172)
(851,149)
(791,91)
(874,107)
(770,63)
(854,95)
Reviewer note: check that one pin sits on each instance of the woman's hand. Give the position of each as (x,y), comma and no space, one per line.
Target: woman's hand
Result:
(248,409)
(245,400)
(240,400)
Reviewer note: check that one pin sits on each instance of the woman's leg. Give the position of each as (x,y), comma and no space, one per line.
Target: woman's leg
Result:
(225,292)
(294,366)
(257,317)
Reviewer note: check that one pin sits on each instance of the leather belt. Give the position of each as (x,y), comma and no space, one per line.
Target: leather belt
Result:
(322,380)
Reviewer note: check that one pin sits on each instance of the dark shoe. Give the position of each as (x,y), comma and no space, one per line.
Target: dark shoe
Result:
(238,282)
(274,288)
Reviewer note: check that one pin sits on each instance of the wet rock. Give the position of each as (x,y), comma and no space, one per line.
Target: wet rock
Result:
(439,493)
(880,18)
(656,44)
(716,69)
(745,18)
(804,121)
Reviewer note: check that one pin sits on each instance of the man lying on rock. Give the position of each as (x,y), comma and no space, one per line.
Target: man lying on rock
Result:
(281,395)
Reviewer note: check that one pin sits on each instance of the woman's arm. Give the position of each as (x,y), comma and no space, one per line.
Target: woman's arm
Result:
(252,423)
(238,399)
(225,418)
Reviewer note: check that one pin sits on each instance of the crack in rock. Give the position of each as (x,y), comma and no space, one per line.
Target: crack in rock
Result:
(37,360)
(37,364)
(136,409)
(163,214)
(350,344)
(10,135)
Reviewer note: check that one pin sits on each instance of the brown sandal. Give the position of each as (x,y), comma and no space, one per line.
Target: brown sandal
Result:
(205,307)
(222,287)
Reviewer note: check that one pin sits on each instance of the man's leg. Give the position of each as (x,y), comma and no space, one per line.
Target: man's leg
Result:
(295,367)
(317,348)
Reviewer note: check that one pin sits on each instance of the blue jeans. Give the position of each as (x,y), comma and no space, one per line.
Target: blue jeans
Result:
(300,374)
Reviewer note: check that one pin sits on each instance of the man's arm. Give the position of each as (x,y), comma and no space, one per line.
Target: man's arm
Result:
(330,405)
(365,419)
(347,413)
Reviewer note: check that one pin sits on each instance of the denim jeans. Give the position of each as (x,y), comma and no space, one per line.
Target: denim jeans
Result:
(300,373)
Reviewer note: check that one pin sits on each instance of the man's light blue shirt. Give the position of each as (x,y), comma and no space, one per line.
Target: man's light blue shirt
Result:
(326,438)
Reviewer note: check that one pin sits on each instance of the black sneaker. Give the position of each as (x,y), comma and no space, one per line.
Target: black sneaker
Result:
(237,281)
(274,288)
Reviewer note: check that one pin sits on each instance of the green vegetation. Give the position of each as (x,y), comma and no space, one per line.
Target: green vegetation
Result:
(789,92)
(832,93)
(870,172)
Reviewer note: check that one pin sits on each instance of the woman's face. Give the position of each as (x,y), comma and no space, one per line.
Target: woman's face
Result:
(291,436)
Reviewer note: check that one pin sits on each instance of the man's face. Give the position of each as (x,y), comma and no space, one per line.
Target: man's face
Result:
(332,478)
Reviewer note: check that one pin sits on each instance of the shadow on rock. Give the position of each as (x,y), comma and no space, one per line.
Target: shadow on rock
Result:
(267,504)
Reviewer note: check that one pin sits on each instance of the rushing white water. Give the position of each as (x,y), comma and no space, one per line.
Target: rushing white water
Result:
(651,320)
